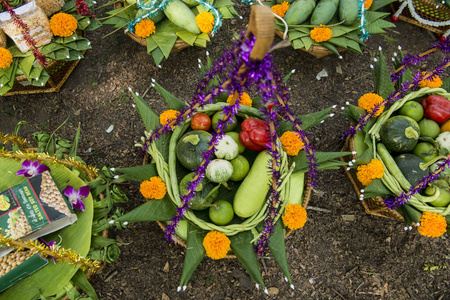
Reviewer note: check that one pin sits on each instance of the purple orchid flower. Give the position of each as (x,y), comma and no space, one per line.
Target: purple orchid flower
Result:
(32,168)
(49,245)
(76,196)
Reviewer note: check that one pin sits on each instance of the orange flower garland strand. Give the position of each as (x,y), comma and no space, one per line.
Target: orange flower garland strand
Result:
(154,188)
(291,142)
(244,99)
(320,34)
(369,101)
(63,24)
(144,28)
(436,82)
(432,224)
(367,173)
(281,9)
(168,116)
(205,21)
(6,58)
(216,244)
(295,216)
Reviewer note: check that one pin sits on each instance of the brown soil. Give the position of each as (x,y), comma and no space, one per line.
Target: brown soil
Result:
(341,253)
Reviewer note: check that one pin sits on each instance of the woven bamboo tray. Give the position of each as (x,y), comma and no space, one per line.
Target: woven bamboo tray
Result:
(427,10)
(177,47)
(373,206)
(315,50)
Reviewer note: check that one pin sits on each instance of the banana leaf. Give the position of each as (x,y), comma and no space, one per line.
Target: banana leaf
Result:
(301,162)
(165,42)
(138,173)
(153,210)
(194,253)
(381,77)
(172,101)
(277,246)
(80,280)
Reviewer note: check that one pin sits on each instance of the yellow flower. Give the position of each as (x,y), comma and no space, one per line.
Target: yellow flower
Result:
(144,28)
(432,224)
(63,24)
(369,101)
(154,188)
(281,9)
(434,83)
(367,173)
(216,244)
(6,58)
(295,216)
(368,4)
(320,34)
(168,116)
(205,21)
(243,100)
(291,142)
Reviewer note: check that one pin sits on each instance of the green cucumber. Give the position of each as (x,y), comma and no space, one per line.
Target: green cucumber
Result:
(156,18)
(299,11)
(181,15)
(390,164)
(296,187)
(252,192)
(348,11)
(324,12)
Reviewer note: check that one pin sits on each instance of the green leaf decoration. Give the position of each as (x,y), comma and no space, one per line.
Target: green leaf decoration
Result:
(338,41)
(157,55)
(301,162)
(93,25)
(446,84)
(42,79)
(298,44)
(138,173)
(200,42)
(381,77)
(187,36)
(152,210)
(194,253)
(165,42)
(379,4)
(76,237)
(407,75)
(116,21)
(354,46)
(376,188)
(26,64)
(225,12)
(372,16)
(330,47)
(80,280)
(151,44)
(147,114)
(376,27)
(172,101)
(307,42)
(278,248)
(73,150)
(100,242)
(294,34)
(313,119)
(353,112)
(243,249)
(221,3)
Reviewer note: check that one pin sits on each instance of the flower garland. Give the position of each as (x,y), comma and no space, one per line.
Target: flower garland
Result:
(82,8)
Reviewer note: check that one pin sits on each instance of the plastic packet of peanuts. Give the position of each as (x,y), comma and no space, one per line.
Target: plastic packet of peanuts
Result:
(2,39)
(49,6)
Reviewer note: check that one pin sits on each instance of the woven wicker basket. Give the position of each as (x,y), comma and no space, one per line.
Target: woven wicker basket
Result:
(315,50)
(427,10)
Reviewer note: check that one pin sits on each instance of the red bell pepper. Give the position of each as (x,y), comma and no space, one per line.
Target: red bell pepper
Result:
(254,134)
(436,108)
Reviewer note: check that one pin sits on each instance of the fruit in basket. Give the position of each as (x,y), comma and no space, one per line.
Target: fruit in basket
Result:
(348,11)
(324,12)
(235,136)
(156,18)
(221,212)
(252,192)
(437,108)
(443,199)
(413,110)
(445,126)
(190,147)
(429,128)
(219,115)
(443,141)
(240,168)
(425,151)
(400,134)
(299,11)
(254,134)
(205,193)
(201,121)
(409,165)
(226,148)
(181,15)
(219,170)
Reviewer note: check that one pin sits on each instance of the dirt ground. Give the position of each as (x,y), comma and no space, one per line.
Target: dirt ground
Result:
(341,253)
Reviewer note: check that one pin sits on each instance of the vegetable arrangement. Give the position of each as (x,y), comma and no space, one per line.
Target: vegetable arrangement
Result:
(403,153)
(333,24)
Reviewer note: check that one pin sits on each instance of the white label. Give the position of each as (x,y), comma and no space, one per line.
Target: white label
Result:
(38,34)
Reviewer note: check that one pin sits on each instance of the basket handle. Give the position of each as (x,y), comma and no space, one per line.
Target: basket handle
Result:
(262,26)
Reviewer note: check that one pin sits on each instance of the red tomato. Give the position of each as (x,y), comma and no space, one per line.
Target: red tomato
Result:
(201,121)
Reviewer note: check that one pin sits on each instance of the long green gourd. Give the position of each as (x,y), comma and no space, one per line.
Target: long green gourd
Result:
(299,11)
(324,12)
(181,15)
(348,11)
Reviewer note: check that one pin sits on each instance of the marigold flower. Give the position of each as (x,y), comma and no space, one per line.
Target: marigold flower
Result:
(205,21)
(368,4)
(63,24)
(216,244)
(281,9)
(294,216)
(320,34)
(432,224)
(369,101)
(434,83)
(244,99)
(144,28)
(367,173)
(291,142)
(154,188)
(6,58)
(168,116)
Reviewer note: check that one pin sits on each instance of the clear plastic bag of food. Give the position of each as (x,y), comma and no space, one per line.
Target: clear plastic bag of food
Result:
(36,20)
(49,6)
(2,39)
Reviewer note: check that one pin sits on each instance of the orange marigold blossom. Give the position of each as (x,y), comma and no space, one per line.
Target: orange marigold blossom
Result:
(6,58)
(433,83)
(216,244)
(432,224)
(205,21)
(369,101)
(144,28)
(368,4)
(291,142)
(244,99)
(367,173)
(320,34)
(295,216)
(281,9)
(168,116)
(63,24)
(154,188)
